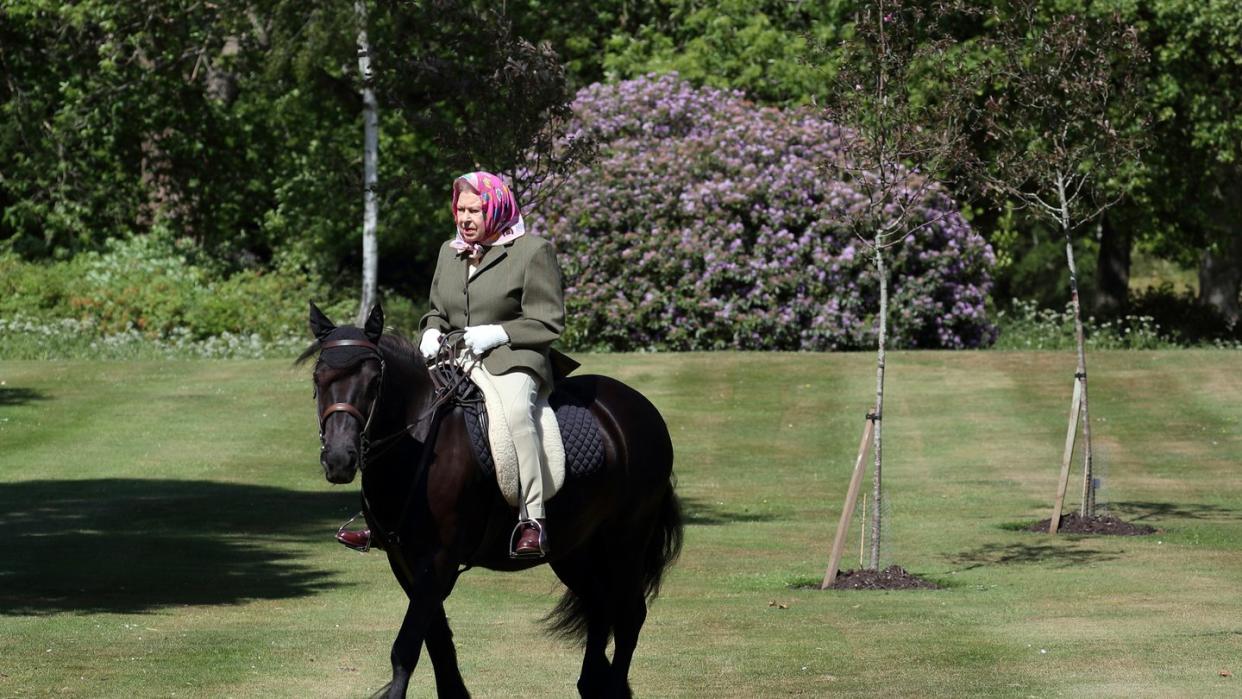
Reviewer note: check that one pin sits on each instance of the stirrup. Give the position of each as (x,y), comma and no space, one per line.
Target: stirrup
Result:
(341,541)
(513,539)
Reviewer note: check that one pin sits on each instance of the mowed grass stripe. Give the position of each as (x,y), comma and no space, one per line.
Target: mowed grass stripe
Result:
(160,419)
(207,507)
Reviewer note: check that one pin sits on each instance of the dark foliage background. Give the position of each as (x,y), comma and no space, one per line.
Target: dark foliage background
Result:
(231,131)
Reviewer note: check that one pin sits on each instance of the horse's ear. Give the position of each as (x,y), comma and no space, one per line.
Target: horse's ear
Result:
(320,326)
(375,323)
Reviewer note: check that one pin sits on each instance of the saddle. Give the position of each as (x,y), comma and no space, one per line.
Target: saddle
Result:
(572,440)
(580,439)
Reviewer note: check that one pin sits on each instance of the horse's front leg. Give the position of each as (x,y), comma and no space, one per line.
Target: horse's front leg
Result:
(425,621)
(449,682)
(409,643)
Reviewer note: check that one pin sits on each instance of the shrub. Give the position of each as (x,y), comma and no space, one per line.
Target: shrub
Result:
(707,223)
(26,337)
(149,296)
(1025,326)
(1183,318)
(142,281)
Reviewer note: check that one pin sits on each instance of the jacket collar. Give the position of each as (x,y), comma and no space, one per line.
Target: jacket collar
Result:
(491,257)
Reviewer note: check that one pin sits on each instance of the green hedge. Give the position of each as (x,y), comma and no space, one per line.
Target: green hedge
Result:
(162,293)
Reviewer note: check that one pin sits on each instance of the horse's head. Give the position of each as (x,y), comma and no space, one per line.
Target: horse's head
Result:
(349,374)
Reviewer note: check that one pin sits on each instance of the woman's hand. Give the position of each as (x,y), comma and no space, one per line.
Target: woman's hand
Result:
(481,338)
(430,346)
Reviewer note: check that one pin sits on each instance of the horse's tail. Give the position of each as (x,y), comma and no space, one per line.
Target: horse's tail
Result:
(572,614)
(665,544)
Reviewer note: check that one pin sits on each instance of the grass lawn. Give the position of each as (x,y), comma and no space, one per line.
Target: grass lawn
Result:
(169,533)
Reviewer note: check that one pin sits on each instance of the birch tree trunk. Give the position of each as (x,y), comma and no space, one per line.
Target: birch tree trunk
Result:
(1087,508)
(876,482)
(370,122)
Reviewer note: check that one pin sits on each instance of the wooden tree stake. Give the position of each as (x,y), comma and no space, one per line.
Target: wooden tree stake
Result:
(1071,434)
(851,497)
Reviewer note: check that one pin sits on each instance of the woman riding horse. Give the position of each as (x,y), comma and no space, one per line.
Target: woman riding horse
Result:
(504,289)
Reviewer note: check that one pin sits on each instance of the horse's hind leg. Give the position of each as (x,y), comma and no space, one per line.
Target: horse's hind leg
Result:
(629,613)
(584,604)
(627,606)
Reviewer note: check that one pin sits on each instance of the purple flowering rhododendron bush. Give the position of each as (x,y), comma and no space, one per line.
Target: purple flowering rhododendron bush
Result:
(707,222)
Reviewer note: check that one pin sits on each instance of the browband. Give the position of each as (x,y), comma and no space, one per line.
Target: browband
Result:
(350,343)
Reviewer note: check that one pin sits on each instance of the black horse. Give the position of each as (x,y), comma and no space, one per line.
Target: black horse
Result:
(426,497)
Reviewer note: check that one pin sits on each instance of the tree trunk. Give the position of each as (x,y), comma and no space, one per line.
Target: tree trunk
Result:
(1113,268)
(877,482)
(222,84)
(370,121)
(1087,508)
(1220,268)
(1220,276)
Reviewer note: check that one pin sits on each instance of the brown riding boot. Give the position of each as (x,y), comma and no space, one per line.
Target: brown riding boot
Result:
(532,541)
(359,540)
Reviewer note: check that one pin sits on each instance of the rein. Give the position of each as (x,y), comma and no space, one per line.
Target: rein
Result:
(449,381)
(447,378)
(451,386)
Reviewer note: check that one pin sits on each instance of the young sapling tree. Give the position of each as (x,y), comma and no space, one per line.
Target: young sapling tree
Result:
(1060,126)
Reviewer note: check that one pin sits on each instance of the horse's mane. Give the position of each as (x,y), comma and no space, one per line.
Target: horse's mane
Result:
(397,343)
(307,353)
(391,341)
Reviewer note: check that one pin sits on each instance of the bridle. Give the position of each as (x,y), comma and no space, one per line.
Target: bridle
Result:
(349,408)
(450,382)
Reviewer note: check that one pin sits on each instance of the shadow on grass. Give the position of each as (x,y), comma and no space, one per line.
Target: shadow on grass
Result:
(698,512)
(1136,511)
(1060,556)
(132,545)
(19,396)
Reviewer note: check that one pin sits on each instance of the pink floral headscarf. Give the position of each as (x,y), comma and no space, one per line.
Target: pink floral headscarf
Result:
(500,213)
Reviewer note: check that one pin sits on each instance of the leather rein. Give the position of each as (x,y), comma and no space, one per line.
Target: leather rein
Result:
(450,381)
(447,377)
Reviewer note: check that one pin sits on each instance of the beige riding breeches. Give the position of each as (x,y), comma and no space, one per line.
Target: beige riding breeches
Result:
(518,391)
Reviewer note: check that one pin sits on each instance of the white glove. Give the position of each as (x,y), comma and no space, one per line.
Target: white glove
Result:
(430,346)
(481,338)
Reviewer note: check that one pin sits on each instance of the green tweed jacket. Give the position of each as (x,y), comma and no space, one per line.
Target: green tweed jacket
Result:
(518,285)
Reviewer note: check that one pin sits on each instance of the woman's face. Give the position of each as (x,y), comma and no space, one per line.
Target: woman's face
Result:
(470,216)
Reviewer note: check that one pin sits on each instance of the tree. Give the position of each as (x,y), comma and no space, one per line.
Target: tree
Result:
(893,86)
(233,124)
(1195,166)
(104,106)
(1062,123)
(370,159)
(1179,204)
(759,46)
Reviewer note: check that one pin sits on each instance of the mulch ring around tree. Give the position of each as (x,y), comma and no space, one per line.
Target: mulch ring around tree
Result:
(891,578)
(1073,523)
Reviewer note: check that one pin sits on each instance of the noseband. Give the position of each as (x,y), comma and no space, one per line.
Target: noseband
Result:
(364,419)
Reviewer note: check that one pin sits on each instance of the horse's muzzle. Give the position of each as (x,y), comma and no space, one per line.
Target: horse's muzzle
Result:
(339,464)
